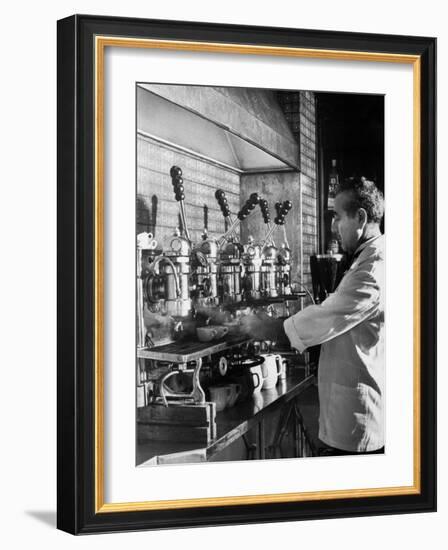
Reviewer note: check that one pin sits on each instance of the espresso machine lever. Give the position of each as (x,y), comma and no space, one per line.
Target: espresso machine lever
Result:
(225,209)
(178,185)
(264,207)
(245,211)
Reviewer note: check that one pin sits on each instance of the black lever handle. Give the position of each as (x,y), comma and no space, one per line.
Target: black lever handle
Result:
(264,207)
(178,183)
(222,201)
(249,205)
(282,210)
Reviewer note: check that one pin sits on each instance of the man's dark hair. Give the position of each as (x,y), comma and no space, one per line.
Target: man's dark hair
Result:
(362,193)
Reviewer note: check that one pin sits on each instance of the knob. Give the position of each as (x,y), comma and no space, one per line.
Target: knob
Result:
(254,198)
(177,180)
(175,171)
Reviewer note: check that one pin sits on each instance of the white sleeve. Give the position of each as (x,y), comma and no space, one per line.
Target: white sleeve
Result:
(354,301)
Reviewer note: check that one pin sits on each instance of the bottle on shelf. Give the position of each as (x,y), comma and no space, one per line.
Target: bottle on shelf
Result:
(333,182)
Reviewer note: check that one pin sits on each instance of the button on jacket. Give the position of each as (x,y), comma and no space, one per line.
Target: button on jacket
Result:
(350,326)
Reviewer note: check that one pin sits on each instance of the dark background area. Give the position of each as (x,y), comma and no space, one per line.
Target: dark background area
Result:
(350,130)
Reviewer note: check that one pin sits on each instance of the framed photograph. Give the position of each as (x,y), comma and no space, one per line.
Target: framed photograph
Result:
(246,274)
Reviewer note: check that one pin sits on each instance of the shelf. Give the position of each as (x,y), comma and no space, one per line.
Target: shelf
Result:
(183,351)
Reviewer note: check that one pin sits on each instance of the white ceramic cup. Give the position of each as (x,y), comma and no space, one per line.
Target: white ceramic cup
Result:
(270,371)
(220,395)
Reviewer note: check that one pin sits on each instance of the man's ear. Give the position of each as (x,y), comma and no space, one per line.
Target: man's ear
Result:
(362,217)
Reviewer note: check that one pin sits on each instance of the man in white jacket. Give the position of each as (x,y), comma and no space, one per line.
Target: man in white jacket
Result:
(350,326)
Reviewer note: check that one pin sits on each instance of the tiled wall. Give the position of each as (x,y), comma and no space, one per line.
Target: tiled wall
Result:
(201,179)
(308,165)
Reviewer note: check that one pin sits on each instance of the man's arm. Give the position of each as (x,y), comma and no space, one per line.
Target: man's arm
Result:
(354,301)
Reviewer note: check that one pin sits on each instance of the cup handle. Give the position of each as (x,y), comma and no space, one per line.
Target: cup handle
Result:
(279,364)
(258,379)
(225,330)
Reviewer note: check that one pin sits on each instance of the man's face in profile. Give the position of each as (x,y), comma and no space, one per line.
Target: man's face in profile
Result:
(348,227)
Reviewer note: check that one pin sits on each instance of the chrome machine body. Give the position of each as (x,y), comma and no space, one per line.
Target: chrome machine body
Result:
(252,262)
(205,272)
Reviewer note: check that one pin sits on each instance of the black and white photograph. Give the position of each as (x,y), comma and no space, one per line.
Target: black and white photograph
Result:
(260,274)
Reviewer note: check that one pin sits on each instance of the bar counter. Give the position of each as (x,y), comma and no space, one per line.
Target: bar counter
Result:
(231,424)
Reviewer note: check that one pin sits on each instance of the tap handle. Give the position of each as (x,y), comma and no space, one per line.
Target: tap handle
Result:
(264,207)
(178,183)
(282,210)
(248,206)
(222,201)
(175,171)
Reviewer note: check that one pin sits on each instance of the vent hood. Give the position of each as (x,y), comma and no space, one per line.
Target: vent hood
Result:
(182,128)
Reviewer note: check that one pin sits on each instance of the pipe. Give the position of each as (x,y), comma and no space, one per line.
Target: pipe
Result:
(156,262)
(184,220)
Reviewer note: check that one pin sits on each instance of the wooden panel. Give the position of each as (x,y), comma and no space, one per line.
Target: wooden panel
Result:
(173,432)
(195,415)
(177,423)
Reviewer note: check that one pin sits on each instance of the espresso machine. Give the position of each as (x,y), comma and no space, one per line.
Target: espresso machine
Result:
(204,263)
(283,264)
(184,278)
(276,265)
(268,253)
(252,269)
(230,273)
(167,285)
(283,268)
(233,262)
